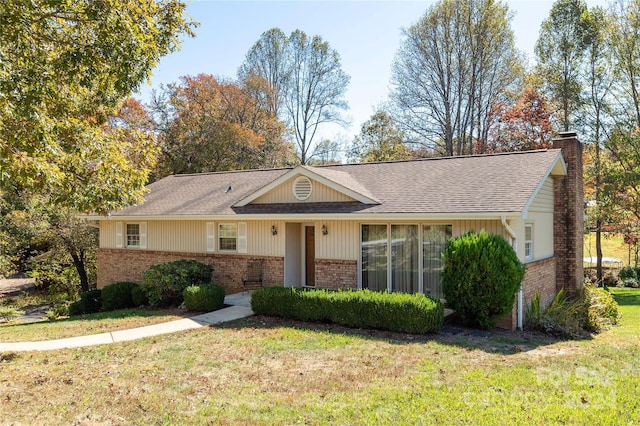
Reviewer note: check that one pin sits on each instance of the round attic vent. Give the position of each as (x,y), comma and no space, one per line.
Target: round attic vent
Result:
(302,188)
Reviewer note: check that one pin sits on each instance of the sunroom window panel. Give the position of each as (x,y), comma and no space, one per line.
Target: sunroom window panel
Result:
(374,257)
(434,243)
(404,258)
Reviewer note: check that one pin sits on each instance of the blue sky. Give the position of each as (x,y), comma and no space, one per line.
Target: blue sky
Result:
(366,34)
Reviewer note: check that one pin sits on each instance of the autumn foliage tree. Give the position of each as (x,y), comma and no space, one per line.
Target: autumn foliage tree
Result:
(205,125)
(522,126)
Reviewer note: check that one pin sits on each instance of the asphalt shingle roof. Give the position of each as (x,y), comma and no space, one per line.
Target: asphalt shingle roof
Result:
(469,184)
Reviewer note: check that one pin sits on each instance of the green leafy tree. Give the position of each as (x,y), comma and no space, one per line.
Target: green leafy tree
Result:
(48,241)
(65,67)
(380,139)
(596,114)
(454,64)
(560,51)
(625,45)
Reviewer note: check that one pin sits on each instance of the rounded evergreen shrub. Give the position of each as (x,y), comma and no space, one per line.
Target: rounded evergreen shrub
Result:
(628,277)
(481,276)
(139,295)
(167,281)
(205,297)
(89,303)
(118,296)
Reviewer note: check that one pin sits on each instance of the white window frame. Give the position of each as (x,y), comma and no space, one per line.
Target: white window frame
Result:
(222,234)
(528,243)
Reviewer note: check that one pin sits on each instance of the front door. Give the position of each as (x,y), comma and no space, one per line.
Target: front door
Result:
(310,255)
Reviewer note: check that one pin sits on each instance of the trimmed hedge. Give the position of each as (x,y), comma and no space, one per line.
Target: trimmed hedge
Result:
(205,297)
(481,276)
(118,296)
(167,281)
(400,312)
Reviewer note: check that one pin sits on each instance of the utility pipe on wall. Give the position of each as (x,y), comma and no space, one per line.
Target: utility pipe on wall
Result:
(514,244)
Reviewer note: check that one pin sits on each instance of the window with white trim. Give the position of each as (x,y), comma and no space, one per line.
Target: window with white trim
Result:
(227,237)
(528,241)
(133,235)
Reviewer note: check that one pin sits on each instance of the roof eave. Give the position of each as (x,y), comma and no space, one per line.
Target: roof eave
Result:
(318,216)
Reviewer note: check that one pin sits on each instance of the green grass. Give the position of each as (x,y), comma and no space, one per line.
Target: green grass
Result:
(267,371)
(612,246)
(83,324)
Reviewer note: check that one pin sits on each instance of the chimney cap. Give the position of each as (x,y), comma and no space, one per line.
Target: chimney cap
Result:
(569,134)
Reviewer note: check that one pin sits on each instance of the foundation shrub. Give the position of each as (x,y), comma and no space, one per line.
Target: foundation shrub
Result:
(205,297)
(118,296)
(481,276)
(399,312)
(167,281)
(89,303)
(139,295)
(591,310)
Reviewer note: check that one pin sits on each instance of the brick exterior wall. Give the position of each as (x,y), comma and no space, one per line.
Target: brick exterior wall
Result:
(129,265)
(568,226)
(336,273)
(540,276)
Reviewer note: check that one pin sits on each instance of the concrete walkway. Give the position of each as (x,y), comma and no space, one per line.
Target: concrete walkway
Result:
(240,308)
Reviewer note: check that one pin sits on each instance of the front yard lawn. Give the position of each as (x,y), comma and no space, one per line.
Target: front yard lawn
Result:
(101,322)
(266,371)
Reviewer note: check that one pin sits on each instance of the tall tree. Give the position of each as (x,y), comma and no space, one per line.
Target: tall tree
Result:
(456,62)
(64,68)
(267,59)
(380,139)
(625,44)
(596,113)
(560,50)
(315,89)
(305,83)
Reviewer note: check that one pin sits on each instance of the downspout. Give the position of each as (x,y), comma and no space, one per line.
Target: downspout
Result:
(514,244)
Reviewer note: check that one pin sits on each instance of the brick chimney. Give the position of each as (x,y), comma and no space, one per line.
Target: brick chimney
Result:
(568,217)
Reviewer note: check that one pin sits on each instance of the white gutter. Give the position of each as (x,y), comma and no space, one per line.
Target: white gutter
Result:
(310,217)
(514,244)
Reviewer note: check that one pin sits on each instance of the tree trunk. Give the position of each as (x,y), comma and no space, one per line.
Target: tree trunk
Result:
(78,262)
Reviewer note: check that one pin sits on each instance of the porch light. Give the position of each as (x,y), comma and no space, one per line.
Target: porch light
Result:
(325,230)
(274,230)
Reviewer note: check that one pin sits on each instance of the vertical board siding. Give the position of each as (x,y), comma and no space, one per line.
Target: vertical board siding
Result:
(262,242)
(342,242)
(542,234)
(543,203)
(108,234)
(284,194)
(189,236)
(490,226)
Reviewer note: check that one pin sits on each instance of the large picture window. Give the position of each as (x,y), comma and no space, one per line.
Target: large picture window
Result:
(404,258)
(434,243)
(374,257)
(227,237)
(393,258)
